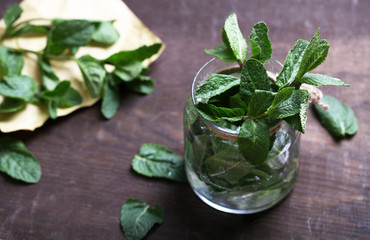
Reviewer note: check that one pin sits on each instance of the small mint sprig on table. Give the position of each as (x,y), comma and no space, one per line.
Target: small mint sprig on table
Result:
(259,102)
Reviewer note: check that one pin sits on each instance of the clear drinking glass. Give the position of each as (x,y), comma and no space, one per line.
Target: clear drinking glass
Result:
(216,169)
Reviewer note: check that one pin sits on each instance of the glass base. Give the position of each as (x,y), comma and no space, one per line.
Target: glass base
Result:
(243,201)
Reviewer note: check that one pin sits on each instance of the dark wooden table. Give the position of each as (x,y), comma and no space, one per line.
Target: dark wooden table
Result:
(86,160)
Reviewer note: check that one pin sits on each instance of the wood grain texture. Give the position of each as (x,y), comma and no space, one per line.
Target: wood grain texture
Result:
(86,160)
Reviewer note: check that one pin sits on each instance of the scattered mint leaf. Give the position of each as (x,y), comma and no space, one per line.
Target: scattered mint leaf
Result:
(58,91)
(69,33)
(215,85)
(105,33)
(10,63)
(291,106)
(110,98)
(9,105)
(260,42)
(17,162)
(49,79)
(19,87)
(214,113)
(254,141)
(129,71)
(222,52)
(137,55)
(155,160)
(12,14)
(28,29)
(93,73)
(339,120)
(260,102)
(137,218)
(141,84)
(235,38)
(69,99)
(253,77)
(292,63)
(322,80)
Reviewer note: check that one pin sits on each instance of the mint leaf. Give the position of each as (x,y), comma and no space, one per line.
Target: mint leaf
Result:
(236,102)
(49,79)
(17,161)
(253,77)
(298,121)
(260,42)
(313,56)
(12,14)
(105,33)
(141,84)
(282,95)
(292,63)
(69,33)
(128,71)
(291,106)
(58,91)
(10,63)
(215,85)
(191,112)
(155,160)
(93,73)
(214,113)
(234,37)
(11,105)
(137,55)
(19,87)
(69,99)
(28,29)
(137,218)
(254,141)
(260,102)
(222,52)
(110,98)
(321,80)
(339,120)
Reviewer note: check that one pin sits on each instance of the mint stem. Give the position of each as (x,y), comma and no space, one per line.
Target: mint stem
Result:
(240,64)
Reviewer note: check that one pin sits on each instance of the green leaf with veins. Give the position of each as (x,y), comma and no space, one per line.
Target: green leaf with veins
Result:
(321,80)
(69,33)
(28,29)
(9,105)
(214,113)
(339,120)
(298,121)
(215,85)
(137,218)
(129,71)
(235,101)
(141,84)
(105,33)
(19,87)
(282,95)
(11,15)
(17,162)
(292,64)
(93,73)
(291,106)
(137,55)
(49,79)
(254,141)
(260,102)
(222,52)
(235,38)
(155,160)
(11,63)
(260,42)
(253,77)
(110,98)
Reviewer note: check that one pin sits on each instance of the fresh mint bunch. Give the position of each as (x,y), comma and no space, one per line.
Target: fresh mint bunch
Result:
(254,102)
(64,38)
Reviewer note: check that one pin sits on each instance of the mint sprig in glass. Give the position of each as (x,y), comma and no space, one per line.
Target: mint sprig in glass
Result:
(244,118)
